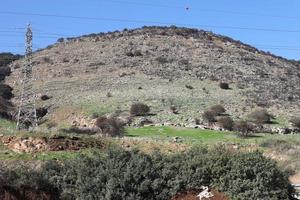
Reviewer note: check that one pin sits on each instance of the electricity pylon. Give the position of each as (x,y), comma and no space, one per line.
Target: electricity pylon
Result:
(26,118)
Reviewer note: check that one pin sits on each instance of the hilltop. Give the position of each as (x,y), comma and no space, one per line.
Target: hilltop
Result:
(161,66)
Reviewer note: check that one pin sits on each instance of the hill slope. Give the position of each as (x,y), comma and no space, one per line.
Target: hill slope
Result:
(157,65)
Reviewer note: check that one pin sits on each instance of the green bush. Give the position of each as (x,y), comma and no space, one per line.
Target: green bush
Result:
(218,109)
(224,86)
(139,109)
(260,117)
(132,175)
(226,123)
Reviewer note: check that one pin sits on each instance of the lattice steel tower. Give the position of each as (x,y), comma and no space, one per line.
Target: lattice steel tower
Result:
(27,118)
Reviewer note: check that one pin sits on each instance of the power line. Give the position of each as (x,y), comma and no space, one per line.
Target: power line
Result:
(39,36)
(150,22)
(202,10)
(38,32)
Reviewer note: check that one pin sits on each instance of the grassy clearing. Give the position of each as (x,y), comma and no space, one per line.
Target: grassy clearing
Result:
(209,136)
(187,133)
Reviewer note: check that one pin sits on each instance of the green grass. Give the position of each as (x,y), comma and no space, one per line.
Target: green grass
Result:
(7,126)
(208,136)
(186,133)
(6,154)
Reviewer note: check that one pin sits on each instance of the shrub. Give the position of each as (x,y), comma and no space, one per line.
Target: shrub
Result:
(41,112)
(189,87)
(173,109)
(4,71)
(108,95)
(260,117)
(127,175)
(26,184)
(134,53)
(47,60)
(209,116)
(224,86)
(60,40)
(218,109)
(66,60)
(244,128)
(6,107)
(45,97)
(7,58)
(110,126)
(139,109)
(295,121)
(6,91)
(131,175)
(162,60)
(226,123)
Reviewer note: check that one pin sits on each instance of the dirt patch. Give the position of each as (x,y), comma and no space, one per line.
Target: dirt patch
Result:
(295,179)
(192,195)
(56,143)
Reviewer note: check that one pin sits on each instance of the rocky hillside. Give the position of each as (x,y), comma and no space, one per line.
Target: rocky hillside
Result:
(163,66)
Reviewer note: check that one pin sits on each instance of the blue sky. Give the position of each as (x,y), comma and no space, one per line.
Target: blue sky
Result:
(281,16)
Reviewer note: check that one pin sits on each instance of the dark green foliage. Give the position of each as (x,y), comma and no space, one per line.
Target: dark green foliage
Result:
(189,87)
(295,121)
(41,112)
(7,58)
(6,91)
(260,117)
(4,71)
(132,175)
(224,86)
(6,108)
(139,109)
(22,179)
(226,123)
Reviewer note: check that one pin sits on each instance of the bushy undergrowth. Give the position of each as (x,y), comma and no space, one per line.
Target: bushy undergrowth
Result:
(139,109)
(260,117)
(132,175)
(110,126)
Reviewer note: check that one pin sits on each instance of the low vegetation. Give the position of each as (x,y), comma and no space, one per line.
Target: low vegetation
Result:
(224,86)
(295,122)
(226,123)
(260,117)
(139,109)
(243,128)
(110,126)
(126,175)
(211,114)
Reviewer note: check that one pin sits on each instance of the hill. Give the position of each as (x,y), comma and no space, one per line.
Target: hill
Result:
(163,67)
